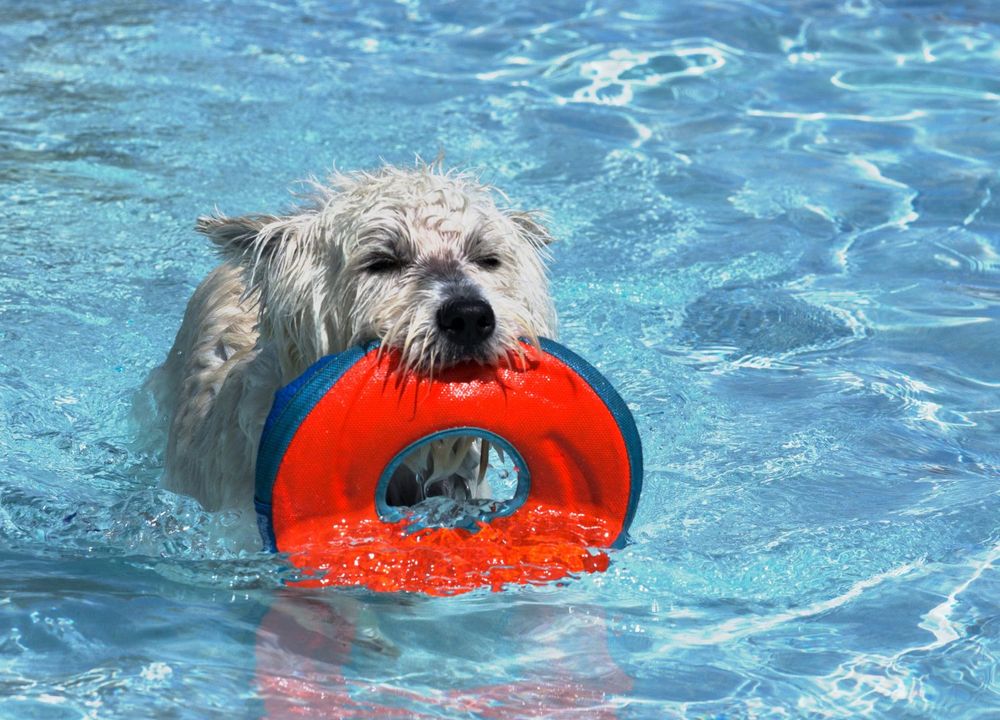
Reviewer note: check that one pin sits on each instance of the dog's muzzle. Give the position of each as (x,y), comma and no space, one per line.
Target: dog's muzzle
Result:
(466,321)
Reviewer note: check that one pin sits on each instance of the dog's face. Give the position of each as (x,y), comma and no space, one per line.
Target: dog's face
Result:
(423,261)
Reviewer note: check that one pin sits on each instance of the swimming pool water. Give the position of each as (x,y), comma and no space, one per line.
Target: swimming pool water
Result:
(779,236)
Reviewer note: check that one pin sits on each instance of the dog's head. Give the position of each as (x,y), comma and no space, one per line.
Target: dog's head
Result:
(422,260)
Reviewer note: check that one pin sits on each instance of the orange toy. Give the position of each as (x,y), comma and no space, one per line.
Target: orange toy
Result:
(335,436)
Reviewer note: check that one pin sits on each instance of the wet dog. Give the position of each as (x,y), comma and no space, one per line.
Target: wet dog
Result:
(424,260)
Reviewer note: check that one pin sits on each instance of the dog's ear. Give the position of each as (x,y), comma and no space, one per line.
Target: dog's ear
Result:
(237,237)
(530,227)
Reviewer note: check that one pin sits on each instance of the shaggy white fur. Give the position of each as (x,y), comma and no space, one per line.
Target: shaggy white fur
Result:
(369,255)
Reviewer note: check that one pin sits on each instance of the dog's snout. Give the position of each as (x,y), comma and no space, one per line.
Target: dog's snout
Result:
(466,321)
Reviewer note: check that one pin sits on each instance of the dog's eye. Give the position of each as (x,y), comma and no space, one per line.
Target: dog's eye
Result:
(382,264)
(488,262)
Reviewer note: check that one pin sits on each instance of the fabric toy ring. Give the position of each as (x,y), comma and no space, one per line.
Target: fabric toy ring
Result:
(336,436)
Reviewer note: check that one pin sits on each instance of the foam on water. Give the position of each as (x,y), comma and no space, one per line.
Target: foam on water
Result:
(778,237)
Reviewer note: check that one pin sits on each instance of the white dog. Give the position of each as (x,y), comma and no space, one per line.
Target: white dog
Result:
(420,259)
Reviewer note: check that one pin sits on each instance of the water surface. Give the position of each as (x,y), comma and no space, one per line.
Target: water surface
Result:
(778,235)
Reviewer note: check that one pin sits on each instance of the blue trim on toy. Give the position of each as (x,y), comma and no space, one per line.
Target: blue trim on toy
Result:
(393,513)
(265,525)
(623,418)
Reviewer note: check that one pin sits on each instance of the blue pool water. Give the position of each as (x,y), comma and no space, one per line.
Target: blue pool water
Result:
(779,236)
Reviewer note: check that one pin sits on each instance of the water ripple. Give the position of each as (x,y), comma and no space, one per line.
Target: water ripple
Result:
(615,79)
(777,233)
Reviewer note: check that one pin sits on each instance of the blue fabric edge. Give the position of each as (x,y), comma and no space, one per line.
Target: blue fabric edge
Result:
(265,525)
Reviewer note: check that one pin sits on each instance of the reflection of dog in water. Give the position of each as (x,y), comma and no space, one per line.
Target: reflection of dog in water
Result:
(422,260)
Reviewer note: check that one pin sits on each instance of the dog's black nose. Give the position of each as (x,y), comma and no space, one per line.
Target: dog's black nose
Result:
(466,321)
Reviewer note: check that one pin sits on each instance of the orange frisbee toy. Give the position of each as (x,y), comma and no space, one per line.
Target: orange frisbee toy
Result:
(336,436)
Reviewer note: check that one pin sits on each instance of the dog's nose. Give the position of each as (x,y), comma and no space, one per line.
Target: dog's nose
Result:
(466,321)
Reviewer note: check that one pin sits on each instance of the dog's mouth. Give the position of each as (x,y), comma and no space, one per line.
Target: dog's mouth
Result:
(492,353)
(453,477)
(428,357)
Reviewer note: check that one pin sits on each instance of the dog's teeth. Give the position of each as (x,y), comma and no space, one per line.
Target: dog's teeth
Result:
(484,461)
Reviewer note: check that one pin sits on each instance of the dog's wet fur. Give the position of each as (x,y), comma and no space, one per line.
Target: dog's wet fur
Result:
(424,260)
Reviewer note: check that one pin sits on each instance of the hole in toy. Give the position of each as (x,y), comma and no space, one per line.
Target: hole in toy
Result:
(453,478)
